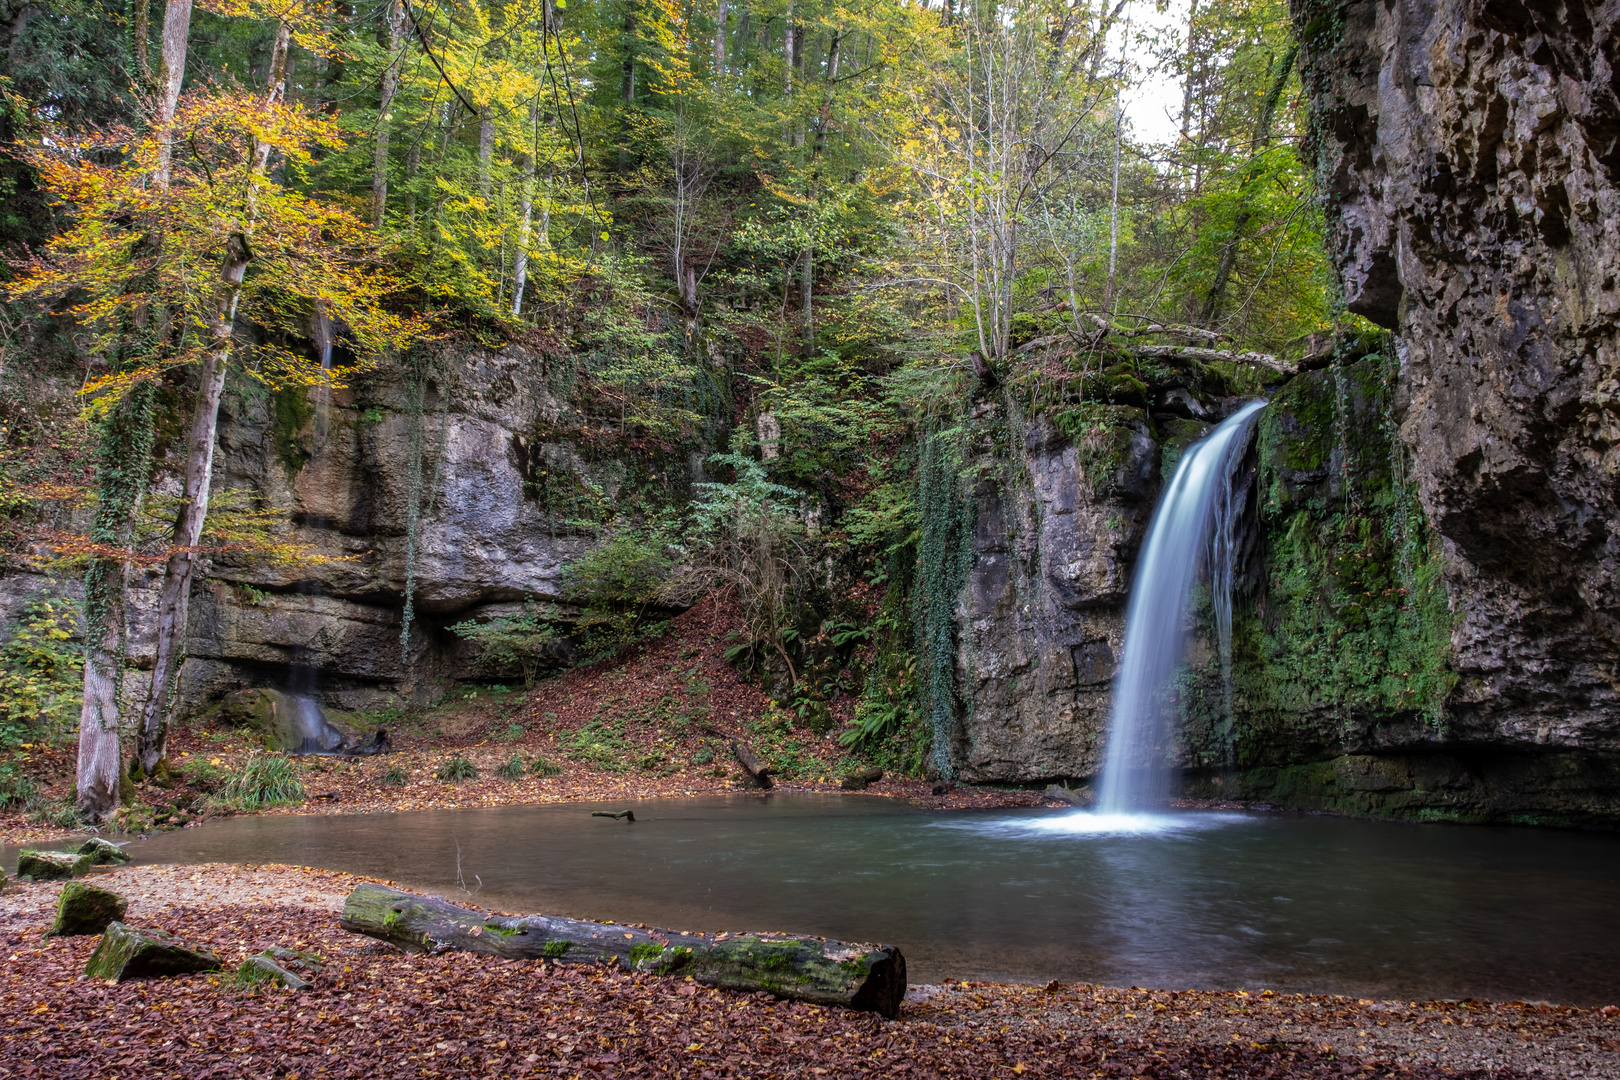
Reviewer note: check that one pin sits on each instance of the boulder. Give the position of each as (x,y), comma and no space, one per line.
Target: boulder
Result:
(857,780)
(261,969)
(297,959)
(52,865)
(128,953)
(104,852)
(83,910)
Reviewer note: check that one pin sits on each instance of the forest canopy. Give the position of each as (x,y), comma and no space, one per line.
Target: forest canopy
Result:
(794,236)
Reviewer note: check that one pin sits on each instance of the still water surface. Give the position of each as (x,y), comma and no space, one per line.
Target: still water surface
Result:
(1201,900)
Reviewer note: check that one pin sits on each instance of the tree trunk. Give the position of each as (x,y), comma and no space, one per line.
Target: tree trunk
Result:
(1262,139)
(486,149)
(824,118)
(126,447)
(720,38)
(125,455)
(174,599)
(789,35)
(520,258)
(868,978)
(390,87)
(19,24)
(807,270)
(171,73)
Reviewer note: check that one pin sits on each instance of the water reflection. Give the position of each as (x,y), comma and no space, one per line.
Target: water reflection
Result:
(1293,903)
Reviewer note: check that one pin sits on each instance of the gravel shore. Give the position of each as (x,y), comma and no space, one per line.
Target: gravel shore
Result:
(377,1012)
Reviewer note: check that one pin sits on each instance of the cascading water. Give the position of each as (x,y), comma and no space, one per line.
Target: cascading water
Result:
(318,736)
(1194,524)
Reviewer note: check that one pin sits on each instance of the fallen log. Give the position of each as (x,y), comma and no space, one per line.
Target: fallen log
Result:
(1209,356)
(1064,793)
(754,767)
(867,978)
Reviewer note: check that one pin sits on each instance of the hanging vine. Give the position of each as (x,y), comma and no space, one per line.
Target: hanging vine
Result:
(947,515)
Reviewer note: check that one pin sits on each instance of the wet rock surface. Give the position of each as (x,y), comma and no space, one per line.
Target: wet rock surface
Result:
(104,852)
(1043,615)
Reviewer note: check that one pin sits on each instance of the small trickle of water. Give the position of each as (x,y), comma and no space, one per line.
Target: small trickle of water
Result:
(1195,523)
(319,737)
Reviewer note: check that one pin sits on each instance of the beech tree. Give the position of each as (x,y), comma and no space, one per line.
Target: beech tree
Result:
(179,231)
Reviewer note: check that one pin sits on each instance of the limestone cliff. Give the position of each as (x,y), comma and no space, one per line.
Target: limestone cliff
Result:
(1467,154)
(1432,629)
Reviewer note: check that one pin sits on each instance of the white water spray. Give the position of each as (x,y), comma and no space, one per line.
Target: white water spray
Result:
(1195,522)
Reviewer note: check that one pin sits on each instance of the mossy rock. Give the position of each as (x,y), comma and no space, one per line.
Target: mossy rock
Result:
(103,852)
(1121,386)
(860,778)
(83,910)
(1174,438)
(4,881)
(52,865)
(263,712)
(127,953)
(262,970)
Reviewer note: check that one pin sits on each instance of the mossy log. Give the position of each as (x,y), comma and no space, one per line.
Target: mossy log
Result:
(869,978)
(1067,794)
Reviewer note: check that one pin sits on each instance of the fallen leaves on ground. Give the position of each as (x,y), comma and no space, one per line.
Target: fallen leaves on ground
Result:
(377,1012)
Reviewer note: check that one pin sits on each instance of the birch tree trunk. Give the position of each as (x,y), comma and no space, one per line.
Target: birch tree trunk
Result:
(720,38)
(520,258)
(385,101)
(174,600)
(486,150)
(171,73)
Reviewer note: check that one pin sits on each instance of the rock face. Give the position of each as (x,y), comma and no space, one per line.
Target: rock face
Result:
(462,487)
(1467,154)
(1429,629)
(1043,616)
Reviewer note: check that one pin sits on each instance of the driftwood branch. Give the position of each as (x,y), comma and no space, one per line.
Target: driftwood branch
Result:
(1206,356)
(756,768)
(868,978)
(1187,333)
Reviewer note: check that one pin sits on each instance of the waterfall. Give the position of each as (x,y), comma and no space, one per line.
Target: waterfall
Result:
(316,735)
(1194,523)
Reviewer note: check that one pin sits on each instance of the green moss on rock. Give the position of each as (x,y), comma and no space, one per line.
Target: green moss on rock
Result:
(52,865)
(128,953)
(83,910)
(105,852)
(1349,628)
